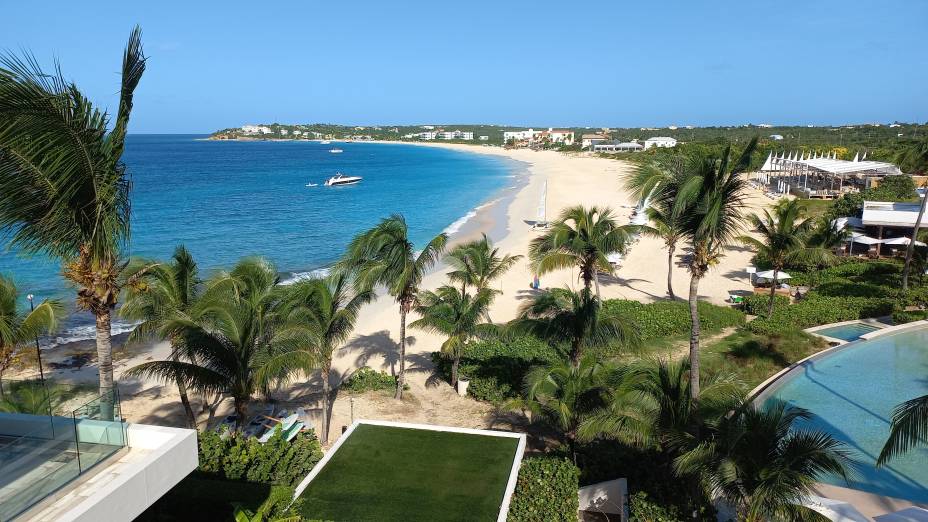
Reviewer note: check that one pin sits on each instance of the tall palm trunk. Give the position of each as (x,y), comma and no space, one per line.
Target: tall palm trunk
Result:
(241,411)
(455,364)
(185,400)
(401,375)
(596,281)
(670,250)
(326,393)
(694,335)
(773,291)
(910,249)
(105,362)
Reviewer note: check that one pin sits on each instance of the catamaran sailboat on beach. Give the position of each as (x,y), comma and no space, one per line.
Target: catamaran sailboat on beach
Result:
(341,179)
(542,221)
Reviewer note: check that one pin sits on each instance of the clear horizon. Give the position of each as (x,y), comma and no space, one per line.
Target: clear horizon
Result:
(418,63)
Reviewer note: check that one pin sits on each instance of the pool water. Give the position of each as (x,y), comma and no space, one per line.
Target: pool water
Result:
(847,332)
(852,393)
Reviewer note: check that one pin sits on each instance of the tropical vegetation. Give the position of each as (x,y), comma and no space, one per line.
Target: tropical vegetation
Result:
(19,327)
(64,189)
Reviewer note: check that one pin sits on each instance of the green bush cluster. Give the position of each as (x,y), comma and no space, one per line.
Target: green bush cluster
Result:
(368,379)
(902,317)
(204,496)
(643,509)
(892,188)
(818,309)
(277,461)
(672,318)
(496,368)
(546,491)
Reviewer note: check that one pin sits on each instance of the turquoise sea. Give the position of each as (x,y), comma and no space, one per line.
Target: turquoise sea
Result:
(228,199)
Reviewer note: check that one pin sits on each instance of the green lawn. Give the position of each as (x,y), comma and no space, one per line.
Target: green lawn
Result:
(389,473)
(752,358)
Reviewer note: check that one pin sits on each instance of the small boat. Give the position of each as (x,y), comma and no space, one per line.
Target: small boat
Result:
(312,184)
(326,142)
(341,179)
(336,151)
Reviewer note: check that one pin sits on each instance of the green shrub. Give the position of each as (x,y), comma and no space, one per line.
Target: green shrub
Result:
(546,491)
(672,318)
(758,304)
(496,368)
(205,496)
(902,317)
(642,509)
(277,461)
(368,379)
(815,310)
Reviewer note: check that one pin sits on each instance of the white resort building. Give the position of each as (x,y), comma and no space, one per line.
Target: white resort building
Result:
(588,140)
(659,141)
(455,135)
(629,146)
(822,175)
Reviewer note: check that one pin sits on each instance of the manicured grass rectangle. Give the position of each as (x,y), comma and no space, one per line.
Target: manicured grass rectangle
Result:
(390,473)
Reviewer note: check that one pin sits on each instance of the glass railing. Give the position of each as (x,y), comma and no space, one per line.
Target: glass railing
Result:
(50,434)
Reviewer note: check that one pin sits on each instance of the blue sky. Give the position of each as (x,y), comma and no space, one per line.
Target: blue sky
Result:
(612,63)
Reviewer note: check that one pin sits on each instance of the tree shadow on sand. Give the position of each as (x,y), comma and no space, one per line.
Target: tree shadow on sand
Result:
(377,344)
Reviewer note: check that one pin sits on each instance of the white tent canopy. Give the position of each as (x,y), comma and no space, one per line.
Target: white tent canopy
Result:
(901,241)
(768,274)
(857,237)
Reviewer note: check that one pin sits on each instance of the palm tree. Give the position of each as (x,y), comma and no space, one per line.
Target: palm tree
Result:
(914,158)
(33,398)
(561,316)
(324,312)
(478,263)
(581,237)
(708,193)
(564,394)
(64,190)
(666,225)
(762,464)
(783,239)
(908,429)
(457,315)
(165,293)
(19,327)
(228,336)
(384,255)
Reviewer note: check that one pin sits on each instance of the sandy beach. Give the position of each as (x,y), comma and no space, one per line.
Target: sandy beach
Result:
(572,179)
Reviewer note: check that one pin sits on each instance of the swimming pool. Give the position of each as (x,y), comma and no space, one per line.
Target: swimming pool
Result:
(847,332)
(852,392)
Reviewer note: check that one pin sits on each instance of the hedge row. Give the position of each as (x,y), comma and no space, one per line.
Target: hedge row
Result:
(663,319)
(546,491)
(814,310)
(368,379)
(277,461)
(496,368)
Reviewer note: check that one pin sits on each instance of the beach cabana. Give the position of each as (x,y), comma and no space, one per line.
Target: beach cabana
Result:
(768,274)
(901,241)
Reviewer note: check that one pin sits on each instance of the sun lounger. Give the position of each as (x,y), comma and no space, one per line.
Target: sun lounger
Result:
(290,426)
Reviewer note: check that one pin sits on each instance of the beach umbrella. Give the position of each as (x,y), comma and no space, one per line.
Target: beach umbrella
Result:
(835,509)
(857,237)
(768,274)
(901,241)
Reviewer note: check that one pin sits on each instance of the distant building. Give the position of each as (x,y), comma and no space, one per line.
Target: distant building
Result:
(616,146)
(455,135)
(428,127)
(256,129)
(776,137)
(484,138)
(297,133)
(659,141)
(427,136)
(588,140)
(764,125)
(561,136)
(283,132)
(520,136)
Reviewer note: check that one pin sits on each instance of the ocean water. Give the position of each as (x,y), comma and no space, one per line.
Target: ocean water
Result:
(225,200)
(852,393)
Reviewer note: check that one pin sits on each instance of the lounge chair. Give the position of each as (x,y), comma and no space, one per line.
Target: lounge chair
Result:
(290,426)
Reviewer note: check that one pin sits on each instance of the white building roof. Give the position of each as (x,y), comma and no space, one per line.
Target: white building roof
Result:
(883,213)
(837,166)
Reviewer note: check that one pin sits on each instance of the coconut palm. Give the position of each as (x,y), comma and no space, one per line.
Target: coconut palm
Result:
(581,237)
(908,429)
(762,464)
(457,315)
(915,159)
(32,398)
(228,336)
(384,255)
(64,189)
(708,193)
(665,225)
(564,394)
(784,236)
(562,316)
(164,293)
(323,312)
(477,264)
(19,326)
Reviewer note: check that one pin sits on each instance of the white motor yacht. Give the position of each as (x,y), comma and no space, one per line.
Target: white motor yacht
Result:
(341,179)
(336,151)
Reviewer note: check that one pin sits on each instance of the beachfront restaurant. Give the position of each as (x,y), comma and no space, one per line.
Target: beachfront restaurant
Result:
(883,230)
(810,175)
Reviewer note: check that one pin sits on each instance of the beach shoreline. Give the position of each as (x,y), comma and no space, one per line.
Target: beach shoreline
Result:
(506,217)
